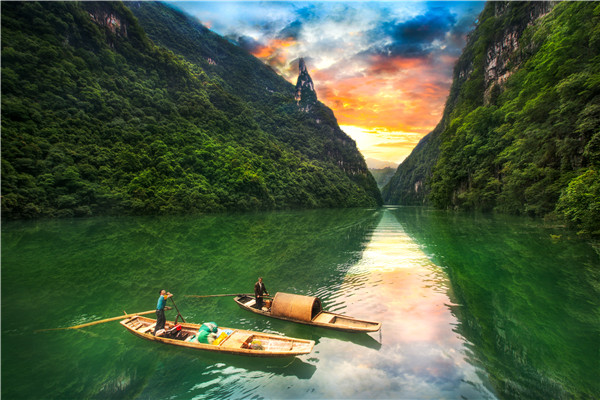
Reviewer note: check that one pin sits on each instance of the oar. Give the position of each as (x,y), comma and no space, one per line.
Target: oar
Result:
(98,322)
(178,313)
(218,295)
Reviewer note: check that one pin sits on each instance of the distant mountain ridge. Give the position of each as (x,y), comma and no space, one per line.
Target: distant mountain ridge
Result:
(106,111)
(519,132)
(374,163)
(382,175)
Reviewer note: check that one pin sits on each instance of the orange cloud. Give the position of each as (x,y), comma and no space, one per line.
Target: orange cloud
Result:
(387,65)
(274,52)
(394,94)
(263,51)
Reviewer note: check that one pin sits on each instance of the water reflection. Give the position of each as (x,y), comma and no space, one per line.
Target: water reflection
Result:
(420,356)
(63,272)
(529,302)
(471,307)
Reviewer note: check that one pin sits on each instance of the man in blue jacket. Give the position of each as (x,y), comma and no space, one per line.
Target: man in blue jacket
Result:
(160,310)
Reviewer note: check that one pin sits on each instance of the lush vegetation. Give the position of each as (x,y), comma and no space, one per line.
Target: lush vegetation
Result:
(530,145)
(97,118)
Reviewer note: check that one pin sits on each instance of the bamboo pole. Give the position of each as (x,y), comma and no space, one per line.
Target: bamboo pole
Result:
(98,322)
(178,313)
(218,295)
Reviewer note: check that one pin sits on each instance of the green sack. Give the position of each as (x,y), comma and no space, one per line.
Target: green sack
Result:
(203,336)
(206,337)
(210,327)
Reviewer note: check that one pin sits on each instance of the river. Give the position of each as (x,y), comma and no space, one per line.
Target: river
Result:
(472,306)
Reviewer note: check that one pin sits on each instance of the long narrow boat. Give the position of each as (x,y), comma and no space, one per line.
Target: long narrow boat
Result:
(234,341)
(307,310)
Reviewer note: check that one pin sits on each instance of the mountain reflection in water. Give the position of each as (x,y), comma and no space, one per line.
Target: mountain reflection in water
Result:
(471,307)
(528,299)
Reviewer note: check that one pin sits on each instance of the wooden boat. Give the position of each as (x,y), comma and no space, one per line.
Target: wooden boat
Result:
(238,341)
(306,310)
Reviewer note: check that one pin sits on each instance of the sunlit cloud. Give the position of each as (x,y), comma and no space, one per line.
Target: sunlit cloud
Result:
(382,144)
(381,67)
(274,52)
(409,99)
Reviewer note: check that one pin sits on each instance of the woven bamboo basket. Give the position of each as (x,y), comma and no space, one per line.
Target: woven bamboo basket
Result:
(295,306)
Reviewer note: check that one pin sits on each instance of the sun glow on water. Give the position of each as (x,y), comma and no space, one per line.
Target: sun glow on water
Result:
(395,282)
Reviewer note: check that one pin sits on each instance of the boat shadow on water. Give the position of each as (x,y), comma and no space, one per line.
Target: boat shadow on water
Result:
(317,333)
(360,339)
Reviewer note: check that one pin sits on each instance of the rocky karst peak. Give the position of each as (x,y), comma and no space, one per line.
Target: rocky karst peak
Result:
(306,97)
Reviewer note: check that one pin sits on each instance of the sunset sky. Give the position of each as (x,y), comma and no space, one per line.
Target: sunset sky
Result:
(385,68)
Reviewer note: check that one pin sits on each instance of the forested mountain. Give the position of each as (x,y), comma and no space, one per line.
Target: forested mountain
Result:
(520,131)
(100,118)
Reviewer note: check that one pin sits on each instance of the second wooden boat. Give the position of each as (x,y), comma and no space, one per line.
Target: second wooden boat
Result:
(306,310)
(234,341)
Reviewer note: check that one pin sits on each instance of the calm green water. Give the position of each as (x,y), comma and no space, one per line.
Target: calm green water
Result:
(472,307)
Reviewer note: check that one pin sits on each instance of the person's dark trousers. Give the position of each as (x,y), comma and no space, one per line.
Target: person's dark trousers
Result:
(259,302)
(160,320)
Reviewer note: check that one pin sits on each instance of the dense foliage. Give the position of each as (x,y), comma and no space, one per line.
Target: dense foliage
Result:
(532,145)
(97,119)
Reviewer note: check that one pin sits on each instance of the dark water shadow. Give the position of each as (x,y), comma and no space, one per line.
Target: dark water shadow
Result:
(527,295)
(359,339)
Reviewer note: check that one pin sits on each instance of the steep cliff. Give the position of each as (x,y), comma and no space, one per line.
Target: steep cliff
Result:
(306,97)
(519,132)
(98,118)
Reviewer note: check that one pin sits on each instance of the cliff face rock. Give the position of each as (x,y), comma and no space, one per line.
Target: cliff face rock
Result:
(111,21)
(114,18)
(306,97)
(496,69)
(503,56)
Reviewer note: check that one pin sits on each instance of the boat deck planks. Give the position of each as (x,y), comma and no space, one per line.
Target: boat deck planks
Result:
(323,318)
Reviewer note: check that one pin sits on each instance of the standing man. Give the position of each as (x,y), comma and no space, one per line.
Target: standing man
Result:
(160,310)
(259,289)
